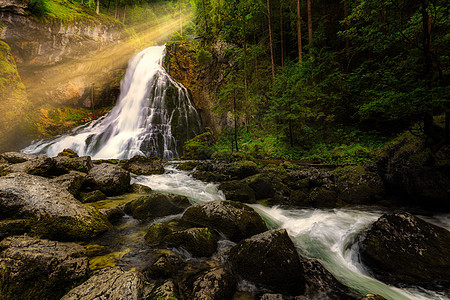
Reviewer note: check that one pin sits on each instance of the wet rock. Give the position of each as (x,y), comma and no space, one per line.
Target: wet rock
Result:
(210,176)
(217,284)
(273,297)
(156,205)
(65,164)
(92,196)
(142,165)
(13,227)
(167,290)
(323,197)
(401,248)
(73,181)
(68,153)
(53,212)
(40,165)
(271,260)
(156,233)
(234,219)
(166,266)
(140,189)
(113,284)
(373,297)
(187,165)
(16,157)
(320,284)
(200,242)
(237,191)
(242,169)
(32,268)
(262,185)
(113,214)
(110,179)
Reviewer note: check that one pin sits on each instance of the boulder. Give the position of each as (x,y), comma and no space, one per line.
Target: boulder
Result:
(234,219)
(321,284)
(92,196)
(140,189)
(67,153)
(217,284)
(16,157)
(110,283)
(72,182)
(39,165)
(167,290)
(200,242)
(53,212)
(13,227)
(110,179)
(65,164)
(271,260)
(237,190)
(113,214)
(403,249)
(187,165)
(32,268)
(373,297)
(156,206)
(142,165)
(242,169)
(166,266)
(156,233)
(262,185)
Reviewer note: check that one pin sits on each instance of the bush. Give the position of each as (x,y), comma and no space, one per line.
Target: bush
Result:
(204,57)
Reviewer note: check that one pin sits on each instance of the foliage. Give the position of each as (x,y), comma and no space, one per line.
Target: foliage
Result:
(204,57)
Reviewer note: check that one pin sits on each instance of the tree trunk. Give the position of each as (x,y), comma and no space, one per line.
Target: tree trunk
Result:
(299,33)
(116,11)
(109,4)
(383,17)
(235,125)
(98,7)
(181,21)
(428,68)
(281,35)
(90,3)
(347,41)
(124,12)
(310,31)
(291,135)
(270,40)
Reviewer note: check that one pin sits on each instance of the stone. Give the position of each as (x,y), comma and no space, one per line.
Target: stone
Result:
(403,249)
(92,196)
(68,153)
(167,290)
(142,165)
(373,297)
(271,260)
(140,189)
(40,165)
(200,242)
(237,190)
(156,206)
(65,164)
(13,227)
(110,179)
(72,182)
(16,157)
(32,268)
(156,234)
(234,219)
(110,283)
(217,284)
(53,212)
(262,186)
(166,266)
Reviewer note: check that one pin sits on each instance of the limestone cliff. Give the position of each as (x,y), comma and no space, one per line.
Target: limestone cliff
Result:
(203,80)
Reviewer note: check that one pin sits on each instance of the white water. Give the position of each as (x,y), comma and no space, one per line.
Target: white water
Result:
(328,235)
(153,116)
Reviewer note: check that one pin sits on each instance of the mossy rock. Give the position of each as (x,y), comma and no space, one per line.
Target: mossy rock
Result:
(68,153)
(93,196)
(199,147)
(140,189)
(13,227)
(156,233)
(200,242)
(238,190)
(187,166)
(243,169)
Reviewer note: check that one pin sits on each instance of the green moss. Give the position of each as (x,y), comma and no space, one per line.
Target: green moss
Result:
(199,147)
(108,260)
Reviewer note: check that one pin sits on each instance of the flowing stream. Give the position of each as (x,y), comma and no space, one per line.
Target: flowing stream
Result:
(153,116)
(329,235)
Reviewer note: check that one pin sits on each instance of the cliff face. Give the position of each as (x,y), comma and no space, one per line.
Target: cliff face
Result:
(60,64)
(203,80)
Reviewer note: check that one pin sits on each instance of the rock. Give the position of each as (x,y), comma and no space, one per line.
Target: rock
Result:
(320,284)
(322,197)
(156,233)
(140,189)
(68,153)
(165,266)
(110,179)
(396,240)
(93,196)
(156,206)
(237,191)
(217,284)
(40,165)
(187,165)
(113,214)
(234,219)
(272,297)
(167,290)
(269,259)
(73,181)
(199,147)
(65,164)
(53,212)
(262,186)
(13,227)
(200,242)
(373,297)
(210,176)
(142,165)
(242,169)
(110,283)
(32,268)
(16,157)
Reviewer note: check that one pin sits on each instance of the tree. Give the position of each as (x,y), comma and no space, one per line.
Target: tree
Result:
(299,32)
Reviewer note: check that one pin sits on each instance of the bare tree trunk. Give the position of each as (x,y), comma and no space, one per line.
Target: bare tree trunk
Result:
(310,31)
(116,11)
(347,41)
(98,7)
(124,12)
(235,125)
(428,67)
(270,40)
(299,33)
(281,34)
(109,4)
(383,17)
(181,21)
(82,2)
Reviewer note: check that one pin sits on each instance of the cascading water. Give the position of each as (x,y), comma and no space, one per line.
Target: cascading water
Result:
(154,116)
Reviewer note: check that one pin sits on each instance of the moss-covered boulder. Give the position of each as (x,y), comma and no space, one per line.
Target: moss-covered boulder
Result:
(403,249)
(218,283)
(142,165)
(110,179)
(200,242)
(40,165)
(234,219)
(32,268)
(187,165)
(263,185)
(140,189)
(72,182)
(237,190)
(166,266)
(93,196)
(67,163)
(13,227)
(199,147)
(156,233)
(52,211)
(110,283)
(271,260)
(156,206)
(242,169)
(68,153)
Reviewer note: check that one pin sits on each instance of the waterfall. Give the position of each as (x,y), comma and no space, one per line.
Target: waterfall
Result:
(154,115)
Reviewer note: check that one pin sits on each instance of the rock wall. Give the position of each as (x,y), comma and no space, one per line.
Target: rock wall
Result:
(202,80)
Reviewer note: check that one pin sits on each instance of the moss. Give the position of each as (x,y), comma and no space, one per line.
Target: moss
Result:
(114,202)
(187,166)
(108,260)
(199,147)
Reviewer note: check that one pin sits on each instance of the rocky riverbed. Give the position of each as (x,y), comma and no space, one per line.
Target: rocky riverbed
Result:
(75,228)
